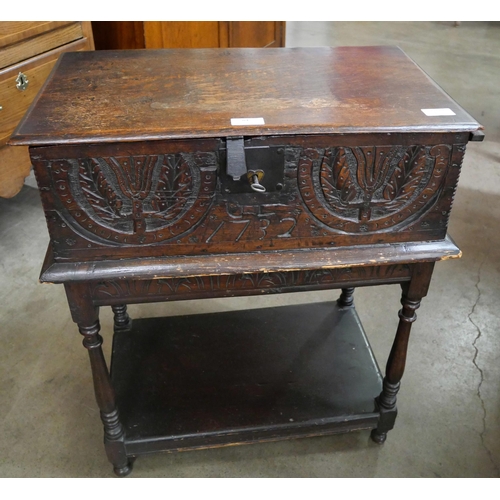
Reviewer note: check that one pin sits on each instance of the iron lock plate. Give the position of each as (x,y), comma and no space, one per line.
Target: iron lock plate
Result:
(240,159)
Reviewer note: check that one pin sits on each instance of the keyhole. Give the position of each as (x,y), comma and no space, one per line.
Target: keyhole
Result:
(22,81)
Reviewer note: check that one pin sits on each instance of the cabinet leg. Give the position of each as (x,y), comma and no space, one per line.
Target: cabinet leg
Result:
(122,319)
(411,298)
(394,371)
(346,298)
(105,397)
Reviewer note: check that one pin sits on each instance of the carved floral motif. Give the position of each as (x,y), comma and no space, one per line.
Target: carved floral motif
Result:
(135,199)
(370,189)
(173,198)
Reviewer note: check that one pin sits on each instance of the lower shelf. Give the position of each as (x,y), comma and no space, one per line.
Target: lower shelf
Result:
(245,376)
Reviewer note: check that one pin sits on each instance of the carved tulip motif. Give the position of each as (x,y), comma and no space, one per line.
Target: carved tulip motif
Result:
(371,188)
(134,176)
(138,199)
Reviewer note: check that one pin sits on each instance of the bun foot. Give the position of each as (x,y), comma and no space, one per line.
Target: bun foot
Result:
(125,470)
(378,437)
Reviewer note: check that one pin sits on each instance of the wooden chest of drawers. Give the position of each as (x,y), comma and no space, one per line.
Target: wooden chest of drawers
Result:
(180,174)
(28,52)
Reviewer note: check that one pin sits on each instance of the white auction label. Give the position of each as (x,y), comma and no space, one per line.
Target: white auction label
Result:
(438,112)
(247,121)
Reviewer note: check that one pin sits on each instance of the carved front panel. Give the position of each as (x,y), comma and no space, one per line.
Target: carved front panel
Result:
(134,199)
(372,189)
(171,202)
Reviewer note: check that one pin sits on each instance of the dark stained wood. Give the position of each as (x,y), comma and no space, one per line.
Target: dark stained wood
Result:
(121,318)
(346,298)
(413,292)
(161,94)
(279,372)
(199,287)
(130,152)
(98,213)
(86,315)
(113,430)
(110,202)
(347,258)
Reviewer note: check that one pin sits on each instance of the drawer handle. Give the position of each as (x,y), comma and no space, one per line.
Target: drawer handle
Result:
(22,81)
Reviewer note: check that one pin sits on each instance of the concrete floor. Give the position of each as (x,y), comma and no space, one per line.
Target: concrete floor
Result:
(449,420)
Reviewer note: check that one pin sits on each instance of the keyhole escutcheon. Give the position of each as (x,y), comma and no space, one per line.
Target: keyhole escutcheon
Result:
(22,81)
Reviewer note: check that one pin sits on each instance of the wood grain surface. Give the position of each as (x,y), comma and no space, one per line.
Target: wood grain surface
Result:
(16,31)
(167,197)
(15,102)
(179,93)
(259,262)
(31,47)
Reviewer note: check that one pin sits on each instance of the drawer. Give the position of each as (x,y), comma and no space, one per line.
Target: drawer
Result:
(15,31)
(15,101)
(175,198)
(23,40)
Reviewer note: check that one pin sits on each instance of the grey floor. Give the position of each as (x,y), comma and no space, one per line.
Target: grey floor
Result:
(449,421)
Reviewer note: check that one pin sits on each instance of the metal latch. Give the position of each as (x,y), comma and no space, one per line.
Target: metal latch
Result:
(252,167)
(236,164)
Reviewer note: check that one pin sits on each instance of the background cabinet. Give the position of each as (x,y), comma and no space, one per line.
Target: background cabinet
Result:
(187,34)
(28,52)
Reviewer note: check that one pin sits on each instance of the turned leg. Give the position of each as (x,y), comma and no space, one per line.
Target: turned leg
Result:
(87,317)
(122,320)
(346,298)
(113,431)
(394,370)
(411,298)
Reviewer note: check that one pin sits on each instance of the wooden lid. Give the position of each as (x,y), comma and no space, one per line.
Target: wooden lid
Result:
(107,96)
